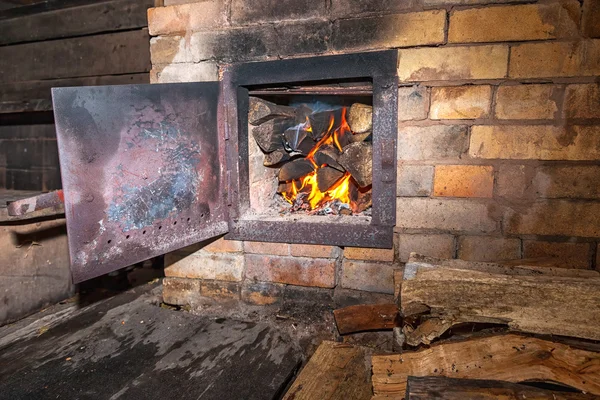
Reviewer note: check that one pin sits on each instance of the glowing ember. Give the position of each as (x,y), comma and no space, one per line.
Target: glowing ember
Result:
(340,190)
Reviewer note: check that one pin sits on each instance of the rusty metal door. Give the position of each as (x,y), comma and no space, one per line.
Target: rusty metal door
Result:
(142,171)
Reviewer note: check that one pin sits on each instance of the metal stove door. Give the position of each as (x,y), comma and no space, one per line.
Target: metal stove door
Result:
(142,171)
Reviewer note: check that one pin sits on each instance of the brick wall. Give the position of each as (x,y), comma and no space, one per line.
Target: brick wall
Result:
(498,141)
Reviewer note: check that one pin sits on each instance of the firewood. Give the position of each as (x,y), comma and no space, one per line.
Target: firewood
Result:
(432,387)
(302,113)
(336,371)
(269,135)
(284,187)
(299,140)
(326,177)
(327,155)
(366,317)
(275,157)
(320,121)
(357,159)
(359,137)
(261,111)
(360,118)
(541,300)
(360,198)
(508,357)
(295,169)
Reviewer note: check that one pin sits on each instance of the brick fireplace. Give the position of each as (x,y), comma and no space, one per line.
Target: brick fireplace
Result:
(498,136)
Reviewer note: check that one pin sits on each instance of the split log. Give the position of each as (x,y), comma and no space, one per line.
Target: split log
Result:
(357,159)
(509,357)
(326,177)
(366,317)
(360,198)
(261,111)
(336,371)
(275,157)
(269,135)
(327,155)
(302,113)
(541,300)
(298,139)
(320,122)
(360,118)
(431,387)
(359,137)
(295,169)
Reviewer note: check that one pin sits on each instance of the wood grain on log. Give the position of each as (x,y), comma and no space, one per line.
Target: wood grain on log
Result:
(326,177)
(439,388)
(336,371)
(366,317)
(320,121)
(295,169)
(275,157)
(327,155)
(261,111)
(539,300)
(357,159)
(269,135)
(509,357)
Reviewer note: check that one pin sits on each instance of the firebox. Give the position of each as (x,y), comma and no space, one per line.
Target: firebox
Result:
(296,151)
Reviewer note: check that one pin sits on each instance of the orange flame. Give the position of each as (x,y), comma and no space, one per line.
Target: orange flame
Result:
(309,184)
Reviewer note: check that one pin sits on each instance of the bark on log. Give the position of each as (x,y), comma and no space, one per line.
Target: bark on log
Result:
(276,157)
(336,371)
(328,155)
(366,317)
(357,159)
(320,121)
(326,177)
(360,118)
(295,169)
(431,387)
(509,357)
(541,300)
(261,111)
(269,135)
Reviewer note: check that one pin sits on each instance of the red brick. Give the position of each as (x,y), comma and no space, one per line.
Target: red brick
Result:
(515,23)
(591,18)
(368,276)
(568,255)
(486,248)
(439,246)
(463,181)
(315,251)
(279,249)
(555,218)
(367,254)
(223,246)
(291,270)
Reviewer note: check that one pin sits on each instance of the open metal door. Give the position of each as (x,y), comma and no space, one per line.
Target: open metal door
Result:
(142,171)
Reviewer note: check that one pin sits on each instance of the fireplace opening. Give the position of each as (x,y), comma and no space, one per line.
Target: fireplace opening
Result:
(311,150)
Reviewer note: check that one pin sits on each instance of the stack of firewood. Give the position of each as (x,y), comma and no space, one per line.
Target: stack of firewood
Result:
(469,330)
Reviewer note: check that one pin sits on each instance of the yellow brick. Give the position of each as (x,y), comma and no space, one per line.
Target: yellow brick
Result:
(583,101)
(543,142)
(224,246)
(450,63)
(183,18)
(169,49)
(279,249)
(555,59)
(366,254)
(463,181)
(462,102)
(566,255)
(313,250)
(514,23)
(527,102)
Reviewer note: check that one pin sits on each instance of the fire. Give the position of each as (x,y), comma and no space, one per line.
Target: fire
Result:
(308,184)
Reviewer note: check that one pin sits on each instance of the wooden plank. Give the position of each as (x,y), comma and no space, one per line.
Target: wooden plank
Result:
(109,54)
(109,16)
(431,387)
(38,90)
(511,358)
(336,371)
(366,317)
(529,299)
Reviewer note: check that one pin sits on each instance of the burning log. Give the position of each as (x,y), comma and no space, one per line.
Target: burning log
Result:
(298,139)
(269,135)
(360,198)
(326,177)
(360,118)
(327,155)
(295,169)
(357,159)
(359,137)
(275,157)
(320,122)
(261,111)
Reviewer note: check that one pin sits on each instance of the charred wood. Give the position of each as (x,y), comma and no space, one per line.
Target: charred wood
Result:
(327,155)
(275,157)
(321,121)
(360,198)
(261,111)
(327,177)
(295,169)
(269,135)
(357,159)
